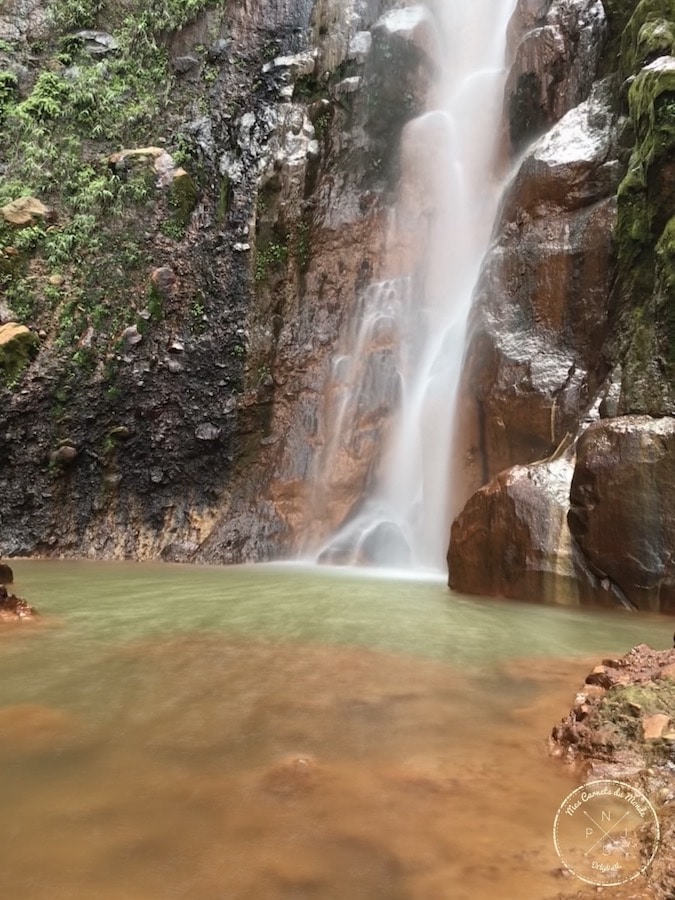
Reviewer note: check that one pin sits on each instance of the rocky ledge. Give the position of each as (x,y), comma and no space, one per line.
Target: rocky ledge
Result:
(12,608)
(622,727)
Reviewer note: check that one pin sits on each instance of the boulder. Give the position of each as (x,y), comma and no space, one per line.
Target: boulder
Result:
(622,506)
(6,574)
(13,609)
(17,343)
(511,538)
(25,211)
(97,43)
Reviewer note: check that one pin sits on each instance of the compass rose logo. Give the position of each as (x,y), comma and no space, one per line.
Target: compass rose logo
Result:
(606,832)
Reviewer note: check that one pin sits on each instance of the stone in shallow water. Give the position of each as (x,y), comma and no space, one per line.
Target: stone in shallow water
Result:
(12,608)
(296,774)
(385,545)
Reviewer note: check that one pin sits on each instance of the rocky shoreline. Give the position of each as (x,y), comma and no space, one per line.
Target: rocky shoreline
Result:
(622,727)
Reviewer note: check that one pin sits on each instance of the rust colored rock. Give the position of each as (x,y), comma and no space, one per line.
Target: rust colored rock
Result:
(622,506)
(511,538)
(539,318)
(163,280)
(554,63)
(599,676)
(12,608)
(653,727)
(668,671)
(296,774)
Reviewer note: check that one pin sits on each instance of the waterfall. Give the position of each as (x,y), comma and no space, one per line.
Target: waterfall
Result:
(394,381)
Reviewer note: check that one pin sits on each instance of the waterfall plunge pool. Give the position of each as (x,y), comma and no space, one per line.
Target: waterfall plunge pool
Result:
(284,733)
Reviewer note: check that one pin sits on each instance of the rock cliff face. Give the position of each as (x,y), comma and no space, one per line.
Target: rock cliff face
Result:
(185,301)
(571,329)
(196,199)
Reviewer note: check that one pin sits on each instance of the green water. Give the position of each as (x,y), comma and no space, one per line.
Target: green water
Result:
(161,721)
(112,602)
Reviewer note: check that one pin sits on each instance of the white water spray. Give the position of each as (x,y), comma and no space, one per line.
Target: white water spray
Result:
(405,349)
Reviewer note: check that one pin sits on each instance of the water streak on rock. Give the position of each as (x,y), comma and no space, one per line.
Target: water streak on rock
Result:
(391,396)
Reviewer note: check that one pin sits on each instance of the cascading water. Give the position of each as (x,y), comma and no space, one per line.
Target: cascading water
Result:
(403,353)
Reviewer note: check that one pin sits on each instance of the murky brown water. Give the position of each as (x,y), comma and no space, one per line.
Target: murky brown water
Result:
(223,766)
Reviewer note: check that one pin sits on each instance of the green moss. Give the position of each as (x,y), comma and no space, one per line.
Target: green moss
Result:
(645,202)
(648,33)
(623,708)
(155,303)
(268,255)
(182,199)
(15,354)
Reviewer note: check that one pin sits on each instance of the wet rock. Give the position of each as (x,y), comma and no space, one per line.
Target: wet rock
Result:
(207,431)
(540,314)
(184,64)
(360,47)
(605,731)
(622,506)
(294,775)
(554,64)
(218,50)
(511,538)
(14,609)
(64,456)
(163,280)
(132,335)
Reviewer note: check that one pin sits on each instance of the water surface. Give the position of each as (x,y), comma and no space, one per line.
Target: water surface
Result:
(273,732)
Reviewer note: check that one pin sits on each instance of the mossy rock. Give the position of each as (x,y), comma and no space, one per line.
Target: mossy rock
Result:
(17,345)
(623,709)
(646,199)
(649,33)
(182,197)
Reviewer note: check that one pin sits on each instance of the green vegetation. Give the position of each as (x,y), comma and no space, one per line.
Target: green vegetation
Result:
(269,254)
(622,709)
(86,265)
(646,199)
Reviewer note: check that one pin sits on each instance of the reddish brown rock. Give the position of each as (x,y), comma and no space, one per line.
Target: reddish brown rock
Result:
(14,609)
(622,506)
(296,774)
(511,538)
(163,280)
(653,727)
(554,62)
(539,319)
